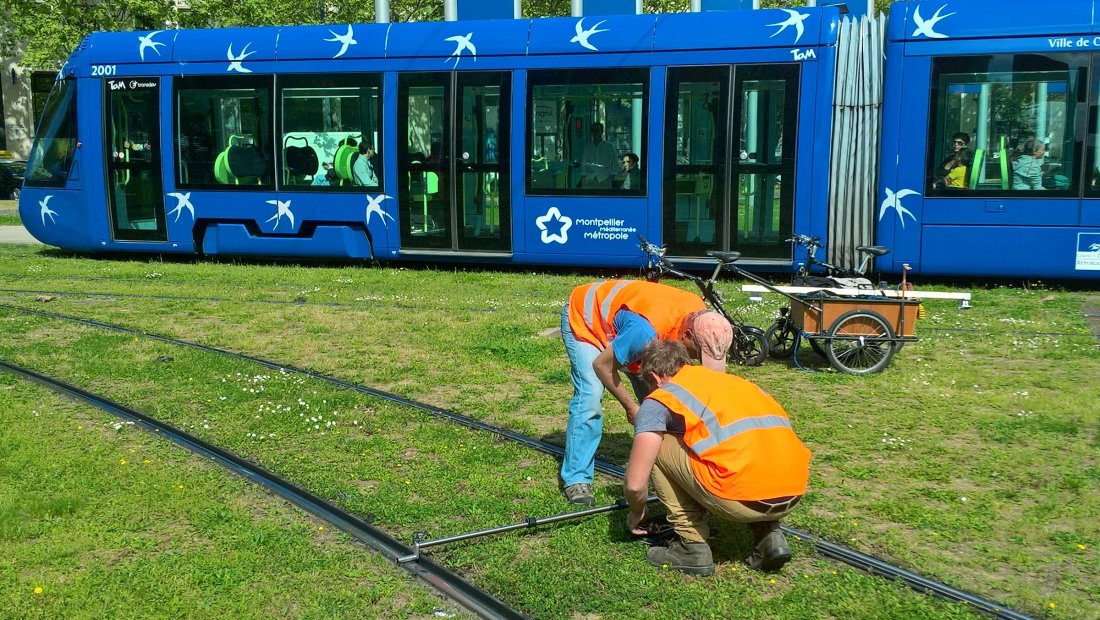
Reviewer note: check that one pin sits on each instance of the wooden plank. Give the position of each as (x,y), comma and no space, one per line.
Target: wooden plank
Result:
(886,292)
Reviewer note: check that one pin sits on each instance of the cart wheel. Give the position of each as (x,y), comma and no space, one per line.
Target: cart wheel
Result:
(781,337)
(860,342)
(750,347)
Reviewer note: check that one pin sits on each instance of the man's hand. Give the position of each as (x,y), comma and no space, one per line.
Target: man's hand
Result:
(632,521)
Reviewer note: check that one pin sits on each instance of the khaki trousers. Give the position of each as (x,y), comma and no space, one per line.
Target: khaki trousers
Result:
(688,502)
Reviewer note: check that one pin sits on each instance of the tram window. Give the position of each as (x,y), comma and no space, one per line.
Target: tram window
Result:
(1006,124)
(323,119)
(224,129)
(55,145)
(581,126)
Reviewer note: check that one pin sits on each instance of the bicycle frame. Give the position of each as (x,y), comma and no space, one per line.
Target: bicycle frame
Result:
(749,346)
(813,244)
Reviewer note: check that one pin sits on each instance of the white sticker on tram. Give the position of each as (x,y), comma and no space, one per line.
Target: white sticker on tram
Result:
(1088,251)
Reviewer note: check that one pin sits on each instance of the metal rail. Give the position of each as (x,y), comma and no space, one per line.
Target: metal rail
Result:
(457,418)
(420,540)
(442,579)
(270,302)
(831,550)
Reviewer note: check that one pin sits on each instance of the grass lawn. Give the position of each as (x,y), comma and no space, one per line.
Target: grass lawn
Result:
(100,519)
(10,220)
(973,459)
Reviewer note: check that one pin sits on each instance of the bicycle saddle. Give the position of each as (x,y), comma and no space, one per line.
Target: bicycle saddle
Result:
(724,257)
(874,250)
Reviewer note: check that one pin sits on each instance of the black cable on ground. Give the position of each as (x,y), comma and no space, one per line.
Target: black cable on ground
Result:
(442,579)
(828,549)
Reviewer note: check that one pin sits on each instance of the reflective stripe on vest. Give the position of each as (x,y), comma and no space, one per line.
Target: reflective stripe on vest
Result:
(589,310)
(728,460)
(592,308)
(719,433)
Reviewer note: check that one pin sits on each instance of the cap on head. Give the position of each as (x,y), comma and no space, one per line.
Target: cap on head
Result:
(713,336)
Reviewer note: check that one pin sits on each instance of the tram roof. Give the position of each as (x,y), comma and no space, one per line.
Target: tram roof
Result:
(612,34)
(946,20)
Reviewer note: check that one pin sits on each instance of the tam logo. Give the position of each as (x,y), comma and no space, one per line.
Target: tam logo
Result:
(804,55)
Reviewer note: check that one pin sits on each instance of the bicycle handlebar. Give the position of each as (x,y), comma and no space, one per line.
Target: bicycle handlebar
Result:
(649,248)
(813,242)
(662,265)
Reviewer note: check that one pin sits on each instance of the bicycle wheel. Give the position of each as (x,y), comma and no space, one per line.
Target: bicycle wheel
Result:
(750,347)
(781,337)
(860,342)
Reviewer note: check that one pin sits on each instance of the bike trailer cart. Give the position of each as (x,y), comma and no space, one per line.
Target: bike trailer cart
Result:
(858,335)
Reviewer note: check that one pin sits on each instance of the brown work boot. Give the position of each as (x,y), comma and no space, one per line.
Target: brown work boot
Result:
(770,549)
(687,557)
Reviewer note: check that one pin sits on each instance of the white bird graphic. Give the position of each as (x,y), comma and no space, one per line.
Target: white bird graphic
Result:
(344,39)
(795,19)
(148,42)
(582,34)
(235,64)
(925,27)
(893,201)
(462,43)
(374,205)
(1094,247)
(46,210)
(283,208)
(183,201)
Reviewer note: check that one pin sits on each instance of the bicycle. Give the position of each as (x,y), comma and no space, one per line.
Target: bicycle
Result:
(749,348)
(840,277)
(783,333)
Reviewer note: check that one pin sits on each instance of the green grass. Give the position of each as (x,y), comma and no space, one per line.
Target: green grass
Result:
(99,519)
(10,220)
(972,459)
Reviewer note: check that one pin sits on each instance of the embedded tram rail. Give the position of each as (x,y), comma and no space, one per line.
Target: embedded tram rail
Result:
(411,555)
(438,577)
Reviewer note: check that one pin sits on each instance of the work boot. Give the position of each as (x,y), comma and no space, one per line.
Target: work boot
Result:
(579,493)
(770,550)
(688,557)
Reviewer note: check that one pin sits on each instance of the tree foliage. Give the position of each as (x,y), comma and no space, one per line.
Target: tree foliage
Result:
(49,31)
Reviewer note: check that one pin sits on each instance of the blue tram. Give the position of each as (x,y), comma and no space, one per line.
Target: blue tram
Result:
(1015,87)
(554,141)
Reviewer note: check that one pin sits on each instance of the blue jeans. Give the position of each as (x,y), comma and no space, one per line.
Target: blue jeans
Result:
(585,426)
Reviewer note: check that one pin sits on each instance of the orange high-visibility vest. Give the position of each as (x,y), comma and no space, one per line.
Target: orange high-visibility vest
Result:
(592,308)
(741,442)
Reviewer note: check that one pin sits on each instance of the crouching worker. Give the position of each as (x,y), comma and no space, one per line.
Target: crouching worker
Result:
(713,443)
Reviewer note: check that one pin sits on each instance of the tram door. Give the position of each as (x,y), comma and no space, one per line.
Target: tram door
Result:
(453,176)
(730,136)
(135,193)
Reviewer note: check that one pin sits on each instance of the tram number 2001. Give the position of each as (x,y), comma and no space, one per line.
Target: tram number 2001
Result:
(98,70)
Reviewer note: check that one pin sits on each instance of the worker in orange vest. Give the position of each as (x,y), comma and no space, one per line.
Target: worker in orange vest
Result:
(605,326)
(713,443)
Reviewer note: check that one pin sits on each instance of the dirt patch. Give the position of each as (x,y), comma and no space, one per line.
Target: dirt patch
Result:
(1092,316)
